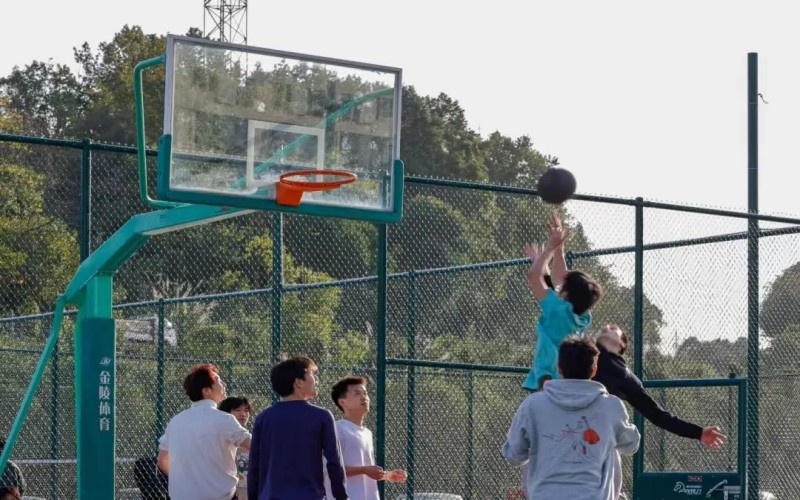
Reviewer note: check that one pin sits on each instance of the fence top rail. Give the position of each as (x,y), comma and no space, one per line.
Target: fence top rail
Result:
(411,179)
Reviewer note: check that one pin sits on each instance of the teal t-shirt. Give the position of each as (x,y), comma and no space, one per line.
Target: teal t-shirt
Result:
(557,322)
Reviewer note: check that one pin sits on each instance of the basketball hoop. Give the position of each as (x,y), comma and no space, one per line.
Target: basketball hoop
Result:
(290,191)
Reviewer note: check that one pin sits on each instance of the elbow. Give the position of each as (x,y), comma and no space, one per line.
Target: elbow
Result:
(163,462)
(513,456)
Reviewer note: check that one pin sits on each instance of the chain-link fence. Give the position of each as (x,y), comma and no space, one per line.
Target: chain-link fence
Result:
(459,320)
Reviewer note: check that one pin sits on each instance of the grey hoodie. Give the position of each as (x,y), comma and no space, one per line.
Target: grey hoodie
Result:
(570,432)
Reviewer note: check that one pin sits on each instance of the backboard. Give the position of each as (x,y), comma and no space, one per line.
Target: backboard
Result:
(238,117)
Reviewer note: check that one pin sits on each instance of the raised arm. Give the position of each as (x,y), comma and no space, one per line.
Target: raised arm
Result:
(559,260)
(541,258)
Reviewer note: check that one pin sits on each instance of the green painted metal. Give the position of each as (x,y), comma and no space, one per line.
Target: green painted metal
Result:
(95,391)
(54,417)
(456,366)
(411,386)
(46,354)
(160,368)
(380,365)
(663,485)
(141,138)
(638,328)
(470,433)
(277,291)
(134,233)
(86,200)
(752,275)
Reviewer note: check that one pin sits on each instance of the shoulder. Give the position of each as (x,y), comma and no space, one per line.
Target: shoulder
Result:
(319,412)
(613,403)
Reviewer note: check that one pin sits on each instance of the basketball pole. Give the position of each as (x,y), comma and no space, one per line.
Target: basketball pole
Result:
(91,290)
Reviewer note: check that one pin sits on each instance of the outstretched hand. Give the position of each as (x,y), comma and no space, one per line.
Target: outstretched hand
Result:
(713,437)
(533,251)
(396,476)
(558,235)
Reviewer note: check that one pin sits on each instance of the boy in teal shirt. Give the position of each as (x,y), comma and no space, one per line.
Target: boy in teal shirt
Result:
(565,297)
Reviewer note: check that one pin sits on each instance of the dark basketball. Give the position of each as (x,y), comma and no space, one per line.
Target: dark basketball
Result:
(556,185)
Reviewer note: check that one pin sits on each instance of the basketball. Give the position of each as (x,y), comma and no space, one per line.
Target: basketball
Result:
(556,185)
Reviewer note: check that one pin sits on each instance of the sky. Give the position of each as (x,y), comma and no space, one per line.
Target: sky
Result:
(635,98)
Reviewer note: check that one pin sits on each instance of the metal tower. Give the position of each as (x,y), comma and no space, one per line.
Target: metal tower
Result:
(226,20)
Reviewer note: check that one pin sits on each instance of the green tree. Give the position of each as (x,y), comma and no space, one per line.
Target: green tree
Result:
(780,309)
(437,141)
(47,98)
(107,84)
(38,254)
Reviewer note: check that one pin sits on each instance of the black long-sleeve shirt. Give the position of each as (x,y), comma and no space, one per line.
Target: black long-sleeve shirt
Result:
(613,373)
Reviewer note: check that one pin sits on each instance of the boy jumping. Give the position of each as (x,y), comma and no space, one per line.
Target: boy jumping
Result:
(571,431)
(565,306)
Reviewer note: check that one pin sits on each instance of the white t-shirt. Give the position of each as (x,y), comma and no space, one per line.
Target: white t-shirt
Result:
(202,443)
(357,451)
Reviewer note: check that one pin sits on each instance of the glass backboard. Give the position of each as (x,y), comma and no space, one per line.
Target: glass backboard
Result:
(238,117)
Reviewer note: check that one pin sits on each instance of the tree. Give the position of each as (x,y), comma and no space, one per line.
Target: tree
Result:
(781,307)
(47,99)
(437,142)
(38,254)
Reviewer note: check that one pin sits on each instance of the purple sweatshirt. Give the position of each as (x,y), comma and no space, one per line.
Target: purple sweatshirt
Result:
(289,440)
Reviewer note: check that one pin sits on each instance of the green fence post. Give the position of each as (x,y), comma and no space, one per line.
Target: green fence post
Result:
(86,199)
(752,277)
(54,424)
(470,432)
(411,396)
(277,289)
(229,376)
(638,329)
(381,351)
(160,373)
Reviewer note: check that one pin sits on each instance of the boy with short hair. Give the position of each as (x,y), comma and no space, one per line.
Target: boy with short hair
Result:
(566,297)
(198,448)
(291,436)
(351,397)
(571,430)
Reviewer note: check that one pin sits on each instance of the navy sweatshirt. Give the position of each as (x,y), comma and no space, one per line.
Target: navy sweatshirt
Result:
(289,440)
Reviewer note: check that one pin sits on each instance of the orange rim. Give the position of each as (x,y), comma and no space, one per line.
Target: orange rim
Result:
(346,178)
(290,191)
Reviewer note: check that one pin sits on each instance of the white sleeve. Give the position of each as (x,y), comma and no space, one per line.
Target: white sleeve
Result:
(345,443)
(234,432)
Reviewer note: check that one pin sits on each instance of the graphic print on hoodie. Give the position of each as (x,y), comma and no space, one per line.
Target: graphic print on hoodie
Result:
(570,432)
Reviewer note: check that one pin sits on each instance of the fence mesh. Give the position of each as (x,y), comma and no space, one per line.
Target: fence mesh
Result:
(456,294)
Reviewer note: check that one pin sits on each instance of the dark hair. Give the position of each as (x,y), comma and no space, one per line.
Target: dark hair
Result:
(341,387)
(577,357)
(624,346)
(583,292)
(233,403)
(9,492)
(201,377)
(283,375)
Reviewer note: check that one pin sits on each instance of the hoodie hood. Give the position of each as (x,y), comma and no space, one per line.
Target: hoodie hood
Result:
(572,394)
